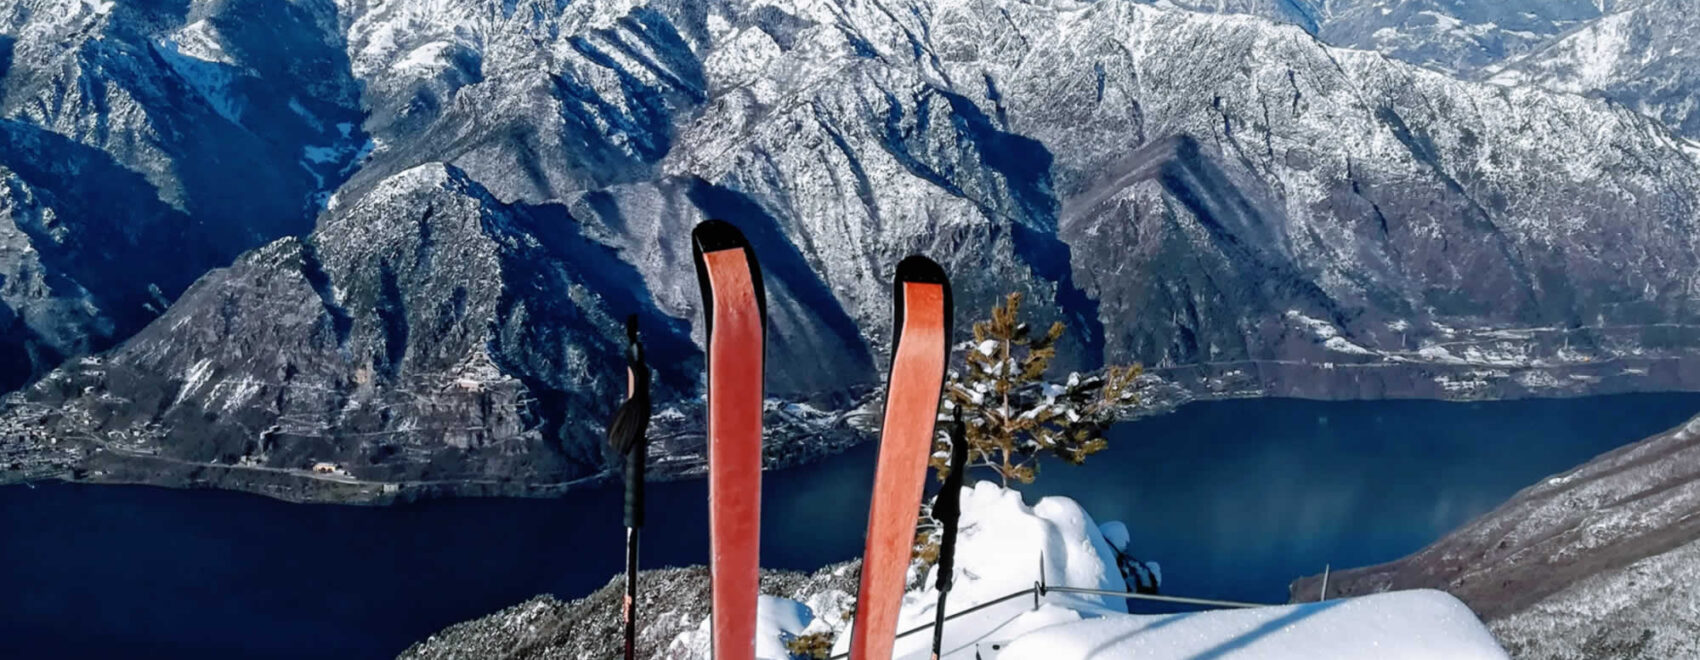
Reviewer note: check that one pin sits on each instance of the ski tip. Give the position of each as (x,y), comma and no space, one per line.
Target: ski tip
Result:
(916,268)
(632,327)
(711,236)
(716,235)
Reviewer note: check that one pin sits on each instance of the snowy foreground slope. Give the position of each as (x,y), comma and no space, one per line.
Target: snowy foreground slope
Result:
(1405,624)
(1001,543)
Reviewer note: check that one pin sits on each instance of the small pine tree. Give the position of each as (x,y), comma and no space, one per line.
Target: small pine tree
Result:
(1013,415)
(813,646)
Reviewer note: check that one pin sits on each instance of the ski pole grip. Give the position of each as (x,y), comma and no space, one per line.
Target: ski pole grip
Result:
(634,484)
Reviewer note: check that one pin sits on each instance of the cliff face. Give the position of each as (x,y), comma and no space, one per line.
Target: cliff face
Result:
(1593,562)
(1232,202)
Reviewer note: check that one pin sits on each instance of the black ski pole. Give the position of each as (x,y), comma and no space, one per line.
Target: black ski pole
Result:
(627,435)
(947,509)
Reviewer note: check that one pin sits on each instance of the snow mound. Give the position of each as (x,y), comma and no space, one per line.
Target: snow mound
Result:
(999,545)
(1405,624)
(778,621)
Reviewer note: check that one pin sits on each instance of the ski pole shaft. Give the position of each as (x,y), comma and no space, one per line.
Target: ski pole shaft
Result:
(630,614)
(938,625)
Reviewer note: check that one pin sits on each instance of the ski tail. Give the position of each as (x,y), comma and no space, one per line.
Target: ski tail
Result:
(735,314)
(920,342)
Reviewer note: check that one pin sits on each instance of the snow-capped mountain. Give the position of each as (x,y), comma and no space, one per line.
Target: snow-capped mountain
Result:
(1448,36)
(1637,53)
(1454,37)
(1224,198)
(1597,561)
(1644,57)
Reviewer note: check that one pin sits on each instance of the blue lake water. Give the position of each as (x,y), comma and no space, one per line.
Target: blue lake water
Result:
(1234,498)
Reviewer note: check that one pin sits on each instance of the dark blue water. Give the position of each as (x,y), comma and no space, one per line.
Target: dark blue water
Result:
(1234,498)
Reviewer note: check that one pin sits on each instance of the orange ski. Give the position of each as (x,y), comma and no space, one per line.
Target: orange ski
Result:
(735,312)
(921,336)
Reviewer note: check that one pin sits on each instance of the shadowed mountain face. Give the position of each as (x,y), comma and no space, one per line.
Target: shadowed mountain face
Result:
(148,142)
(427,334)
(1223,198)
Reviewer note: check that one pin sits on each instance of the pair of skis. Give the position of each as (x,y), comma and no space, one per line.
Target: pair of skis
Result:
(735,315)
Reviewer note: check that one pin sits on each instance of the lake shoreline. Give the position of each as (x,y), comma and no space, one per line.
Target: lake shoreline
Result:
(1162,391)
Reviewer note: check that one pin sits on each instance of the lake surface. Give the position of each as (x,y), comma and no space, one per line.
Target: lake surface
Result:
(1234,498)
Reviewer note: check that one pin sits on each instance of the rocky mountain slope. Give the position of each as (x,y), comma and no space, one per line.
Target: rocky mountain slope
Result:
(1594,562)
(671,602)
(1454,37)
(428,333)
(1226,199)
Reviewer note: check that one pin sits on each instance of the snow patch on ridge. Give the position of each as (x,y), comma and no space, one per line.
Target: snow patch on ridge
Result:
(1689,430)
(202,71)
(1328,333)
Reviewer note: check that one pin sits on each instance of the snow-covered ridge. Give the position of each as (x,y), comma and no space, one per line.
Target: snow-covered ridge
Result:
(1593,562)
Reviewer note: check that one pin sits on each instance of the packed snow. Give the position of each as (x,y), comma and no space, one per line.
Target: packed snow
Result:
(1005,543)
(1407,624)
(197,65)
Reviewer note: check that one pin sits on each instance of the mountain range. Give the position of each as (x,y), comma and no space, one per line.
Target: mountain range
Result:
(252,236)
